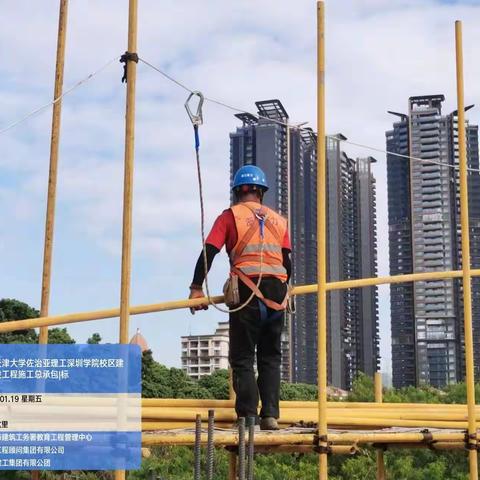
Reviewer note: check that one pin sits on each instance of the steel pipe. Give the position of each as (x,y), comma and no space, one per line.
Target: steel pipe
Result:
(210,444)
(251,447)
(241,448)
(197,448)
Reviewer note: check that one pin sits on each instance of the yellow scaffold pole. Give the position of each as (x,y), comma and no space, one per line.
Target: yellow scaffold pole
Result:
(130,58)
(467,289)
(321,246)
(379,399)
(52,176)
(69,318)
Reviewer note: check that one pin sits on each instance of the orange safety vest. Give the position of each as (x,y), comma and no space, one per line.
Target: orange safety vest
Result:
(246,256)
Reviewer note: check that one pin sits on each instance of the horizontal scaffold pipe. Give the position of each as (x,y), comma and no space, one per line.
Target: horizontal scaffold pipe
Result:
(292,415)
(344,423)
(213,404)
(348,438)
(179,304)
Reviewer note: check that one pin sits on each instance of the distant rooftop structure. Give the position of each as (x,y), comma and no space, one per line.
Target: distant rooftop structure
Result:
(308,135)
(272,109)
(247,118)
(431,101)
(139,339)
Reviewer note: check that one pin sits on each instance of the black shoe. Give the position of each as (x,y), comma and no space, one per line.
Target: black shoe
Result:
(269,423)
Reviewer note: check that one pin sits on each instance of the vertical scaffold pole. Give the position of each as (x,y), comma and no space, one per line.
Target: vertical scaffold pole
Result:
(467,278)
(131,78)
(379,399)
(52,174)
(288,315)
(321,246)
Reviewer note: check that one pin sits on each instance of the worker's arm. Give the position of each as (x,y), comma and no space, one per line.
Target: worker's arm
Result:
(199,273)
(287,262)
(286,251)
(213,244)
(196,288)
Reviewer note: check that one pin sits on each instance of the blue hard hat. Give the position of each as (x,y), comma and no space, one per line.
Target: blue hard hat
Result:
(250,175)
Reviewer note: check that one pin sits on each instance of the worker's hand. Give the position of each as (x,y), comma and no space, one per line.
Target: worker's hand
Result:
(197,293)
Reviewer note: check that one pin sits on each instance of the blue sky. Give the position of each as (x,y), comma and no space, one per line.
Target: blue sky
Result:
(379,53)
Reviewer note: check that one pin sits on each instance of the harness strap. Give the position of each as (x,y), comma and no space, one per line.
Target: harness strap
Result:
(243,242)
(252,258)
(251,285)
(273,229)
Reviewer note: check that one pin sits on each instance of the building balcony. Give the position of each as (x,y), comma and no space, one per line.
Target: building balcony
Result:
(429,155)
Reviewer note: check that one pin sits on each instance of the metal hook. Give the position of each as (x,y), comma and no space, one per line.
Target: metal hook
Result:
(197,118)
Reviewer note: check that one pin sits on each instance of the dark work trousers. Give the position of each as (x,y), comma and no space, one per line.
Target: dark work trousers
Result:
(247,333)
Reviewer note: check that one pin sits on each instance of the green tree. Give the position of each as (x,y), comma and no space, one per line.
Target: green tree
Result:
(95,339)
(298,391)
(180,383)
(362,389)
(59,335)
(11,309)
(424,394)
(216,384)
(155,378)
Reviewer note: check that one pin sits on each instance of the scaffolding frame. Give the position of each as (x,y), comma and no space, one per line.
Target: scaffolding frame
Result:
(323,441)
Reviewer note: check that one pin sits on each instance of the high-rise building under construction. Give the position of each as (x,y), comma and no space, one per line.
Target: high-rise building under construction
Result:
(424,235)
(263,140)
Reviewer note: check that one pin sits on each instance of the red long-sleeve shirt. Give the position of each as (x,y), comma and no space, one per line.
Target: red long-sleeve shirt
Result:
(224,232)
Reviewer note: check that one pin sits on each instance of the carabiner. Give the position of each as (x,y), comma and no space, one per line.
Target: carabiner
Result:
(197,118)
(261,220)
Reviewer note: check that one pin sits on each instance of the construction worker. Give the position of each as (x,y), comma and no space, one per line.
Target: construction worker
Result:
(257,242)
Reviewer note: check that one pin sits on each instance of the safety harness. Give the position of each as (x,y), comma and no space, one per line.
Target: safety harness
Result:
(239,252)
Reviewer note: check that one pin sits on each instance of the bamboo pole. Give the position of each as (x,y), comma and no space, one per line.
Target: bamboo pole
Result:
(321,246)
(348,438)
(412,410)
(379,399)
(465,229)
(131,70)
(128,174)
(53,170)
(352,423)
(180,304)
(232,457)
(290,415)
(52,176)
(210,403)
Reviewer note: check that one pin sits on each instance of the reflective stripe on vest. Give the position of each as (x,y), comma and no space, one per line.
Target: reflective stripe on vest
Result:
(254,271)
(267,247)
(247,253)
